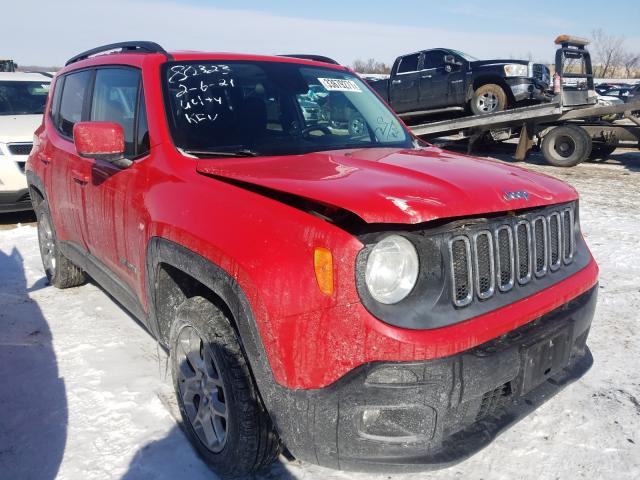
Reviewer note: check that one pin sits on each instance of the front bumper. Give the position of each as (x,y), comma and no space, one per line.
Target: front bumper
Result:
(418,415)
(524,89)
(15,201)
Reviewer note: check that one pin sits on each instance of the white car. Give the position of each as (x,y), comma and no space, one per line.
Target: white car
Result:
(607,101)
(22,100)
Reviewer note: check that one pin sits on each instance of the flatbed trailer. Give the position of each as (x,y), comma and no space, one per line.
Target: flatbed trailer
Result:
(539,121)
(569,129)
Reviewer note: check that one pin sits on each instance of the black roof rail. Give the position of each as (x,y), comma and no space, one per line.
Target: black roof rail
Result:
(133,46)
(315,58)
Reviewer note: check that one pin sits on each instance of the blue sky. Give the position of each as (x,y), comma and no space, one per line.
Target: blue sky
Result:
(345,30)
(578,17)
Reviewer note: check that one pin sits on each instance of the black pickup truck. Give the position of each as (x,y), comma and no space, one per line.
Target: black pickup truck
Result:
(442,79)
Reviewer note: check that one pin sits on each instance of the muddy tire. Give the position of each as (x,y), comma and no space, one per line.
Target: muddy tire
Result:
(60,271)
(566,146)
(488,98)
(223,414)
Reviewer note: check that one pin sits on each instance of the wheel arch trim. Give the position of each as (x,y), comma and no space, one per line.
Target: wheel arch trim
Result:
(220,283)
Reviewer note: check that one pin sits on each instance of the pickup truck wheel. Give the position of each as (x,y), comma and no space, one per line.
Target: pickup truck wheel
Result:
(223,414)
(357,125)
(60,271)
(566,146)
(488,98)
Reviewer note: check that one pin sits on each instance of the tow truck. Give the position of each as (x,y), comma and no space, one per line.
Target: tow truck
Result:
(569,129)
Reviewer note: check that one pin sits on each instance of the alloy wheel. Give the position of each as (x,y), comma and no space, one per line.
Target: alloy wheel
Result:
(488,102)
(202,389)
(47,244)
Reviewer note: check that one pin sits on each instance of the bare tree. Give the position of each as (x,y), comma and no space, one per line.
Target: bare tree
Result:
(609,51)
(370,66)
(630,62)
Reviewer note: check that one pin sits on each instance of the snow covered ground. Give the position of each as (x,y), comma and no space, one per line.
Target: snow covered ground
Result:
(84,394)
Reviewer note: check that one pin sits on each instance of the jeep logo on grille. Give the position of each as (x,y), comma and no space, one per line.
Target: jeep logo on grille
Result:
(516,195)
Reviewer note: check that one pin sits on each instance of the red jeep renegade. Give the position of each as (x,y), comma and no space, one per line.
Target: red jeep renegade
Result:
(323,280)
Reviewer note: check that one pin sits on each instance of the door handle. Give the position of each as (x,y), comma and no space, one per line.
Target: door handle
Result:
(395,82)
(426,76)
(44,159)
(79,177)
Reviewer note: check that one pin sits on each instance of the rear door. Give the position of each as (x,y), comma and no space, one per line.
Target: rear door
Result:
(404,87)
(111,207)
(67,178)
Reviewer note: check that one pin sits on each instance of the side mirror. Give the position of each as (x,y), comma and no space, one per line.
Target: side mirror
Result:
(450,60)
(100,140)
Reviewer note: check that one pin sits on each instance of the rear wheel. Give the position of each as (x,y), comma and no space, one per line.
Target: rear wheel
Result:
(488,98)
(566,146)
(223,415)
(60,271)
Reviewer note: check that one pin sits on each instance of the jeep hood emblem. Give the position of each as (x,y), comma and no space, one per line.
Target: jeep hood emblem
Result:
(516,195)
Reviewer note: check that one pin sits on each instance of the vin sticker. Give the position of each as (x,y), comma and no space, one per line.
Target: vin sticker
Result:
(339,85)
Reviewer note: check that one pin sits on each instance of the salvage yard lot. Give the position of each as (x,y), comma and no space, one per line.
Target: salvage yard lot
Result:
(84,393)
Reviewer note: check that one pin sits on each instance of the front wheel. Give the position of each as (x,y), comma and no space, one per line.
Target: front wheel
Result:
(566,146)
(488,98)
(222,412)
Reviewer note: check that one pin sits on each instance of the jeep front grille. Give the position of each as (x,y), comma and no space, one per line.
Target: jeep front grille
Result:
(461,266)
(510,252)
(20,148)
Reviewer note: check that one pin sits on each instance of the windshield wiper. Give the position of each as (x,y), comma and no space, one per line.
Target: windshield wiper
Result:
(242,152)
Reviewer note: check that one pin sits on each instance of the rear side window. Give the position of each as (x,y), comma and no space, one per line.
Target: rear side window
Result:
(55,101)
(72,102)
(115,97)
(409,63)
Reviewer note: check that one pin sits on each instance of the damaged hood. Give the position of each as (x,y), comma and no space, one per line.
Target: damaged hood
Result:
(396,186)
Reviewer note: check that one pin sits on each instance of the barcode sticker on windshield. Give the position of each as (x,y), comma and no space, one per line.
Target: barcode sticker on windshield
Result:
(339,85)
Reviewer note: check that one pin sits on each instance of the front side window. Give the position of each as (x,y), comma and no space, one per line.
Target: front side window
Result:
(72,102)
(115,96)
(23,98)
(272,108)
(434,59)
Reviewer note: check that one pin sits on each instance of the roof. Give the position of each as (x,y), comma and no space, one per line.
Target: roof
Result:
(186,55)
(131,50)
(23,77)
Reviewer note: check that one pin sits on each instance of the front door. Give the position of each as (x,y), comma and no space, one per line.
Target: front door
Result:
(112,221)
(441,84)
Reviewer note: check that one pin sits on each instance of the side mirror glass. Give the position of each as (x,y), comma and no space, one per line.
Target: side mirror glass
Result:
(100,140)
(450,60)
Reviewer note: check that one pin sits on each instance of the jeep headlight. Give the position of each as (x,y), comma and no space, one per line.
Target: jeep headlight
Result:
(392,269)
(516,70)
